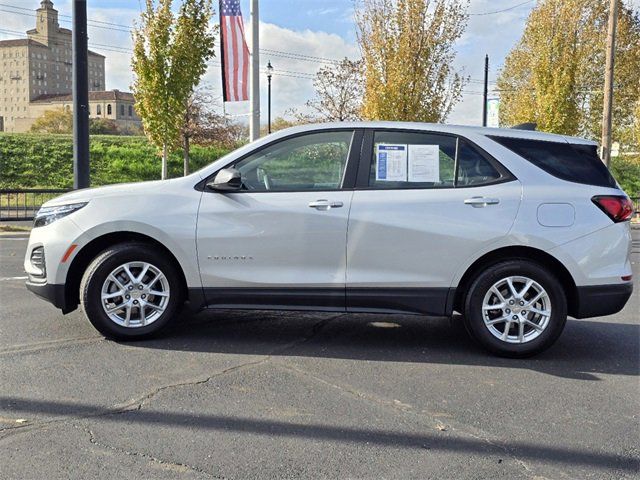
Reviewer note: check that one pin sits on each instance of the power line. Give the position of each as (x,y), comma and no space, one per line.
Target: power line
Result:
(127,29)
(65,21)
(500,11)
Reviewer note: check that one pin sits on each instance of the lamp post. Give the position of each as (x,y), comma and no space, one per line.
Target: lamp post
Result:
(269,75)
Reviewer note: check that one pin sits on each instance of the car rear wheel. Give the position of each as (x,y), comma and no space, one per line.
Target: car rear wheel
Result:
(516,308)
(130,291)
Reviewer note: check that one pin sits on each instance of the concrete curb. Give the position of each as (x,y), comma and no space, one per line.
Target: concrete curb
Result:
(24,235)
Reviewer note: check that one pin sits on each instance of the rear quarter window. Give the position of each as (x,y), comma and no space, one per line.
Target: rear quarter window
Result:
(573,162)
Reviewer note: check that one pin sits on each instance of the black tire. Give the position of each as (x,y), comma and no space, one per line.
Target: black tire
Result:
(105,263)
(480,286)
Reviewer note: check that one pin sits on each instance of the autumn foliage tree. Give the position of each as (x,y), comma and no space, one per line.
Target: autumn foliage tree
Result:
(554,76)
(170,55)
(205,125)
(339,91)
(408,53)
(56,120)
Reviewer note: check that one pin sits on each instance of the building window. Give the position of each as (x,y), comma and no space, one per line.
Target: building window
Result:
(122,110)
(131,110)
(109,109)
(98,110)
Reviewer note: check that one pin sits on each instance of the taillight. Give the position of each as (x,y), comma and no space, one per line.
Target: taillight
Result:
(617,208)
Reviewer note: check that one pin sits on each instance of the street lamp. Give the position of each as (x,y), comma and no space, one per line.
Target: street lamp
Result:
(269,75)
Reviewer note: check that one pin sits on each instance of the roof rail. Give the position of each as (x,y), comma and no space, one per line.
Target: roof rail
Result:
(525,126)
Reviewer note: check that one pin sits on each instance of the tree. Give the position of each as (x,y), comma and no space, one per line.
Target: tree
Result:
(339,92)
(554,76)
(57,120)
(291,117)
(170,56)
(637,123)
(103,126)
(205,126)
(408,53)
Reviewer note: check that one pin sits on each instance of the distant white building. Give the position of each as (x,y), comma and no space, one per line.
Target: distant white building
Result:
(36,74)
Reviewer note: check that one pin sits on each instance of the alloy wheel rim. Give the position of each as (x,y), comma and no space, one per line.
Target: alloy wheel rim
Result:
(135,294)
(516,309)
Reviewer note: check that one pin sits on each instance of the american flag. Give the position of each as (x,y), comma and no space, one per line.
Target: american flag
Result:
(235,54)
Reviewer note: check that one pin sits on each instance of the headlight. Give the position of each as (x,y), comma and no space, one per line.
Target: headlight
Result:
(47,215)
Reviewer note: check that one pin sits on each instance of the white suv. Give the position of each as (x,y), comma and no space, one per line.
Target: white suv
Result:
(513,229)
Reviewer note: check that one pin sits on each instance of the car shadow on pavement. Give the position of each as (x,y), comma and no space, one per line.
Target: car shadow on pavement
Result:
(561,455)
(586,348)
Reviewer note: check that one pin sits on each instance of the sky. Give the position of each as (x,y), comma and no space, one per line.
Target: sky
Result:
(323,30)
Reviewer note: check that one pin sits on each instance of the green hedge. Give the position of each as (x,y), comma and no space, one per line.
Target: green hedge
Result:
(46,161)
(627,172)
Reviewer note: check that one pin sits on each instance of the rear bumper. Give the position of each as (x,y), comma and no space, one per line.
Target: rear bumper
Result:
(53,293)
(600,300)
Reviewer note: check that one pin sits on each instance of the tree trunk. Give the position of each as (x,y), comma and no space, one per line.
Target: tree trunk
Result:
(186,155)
(165,159)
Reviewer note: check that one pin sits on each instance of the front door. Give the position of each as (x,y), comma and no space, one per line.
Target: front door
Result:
(281,241)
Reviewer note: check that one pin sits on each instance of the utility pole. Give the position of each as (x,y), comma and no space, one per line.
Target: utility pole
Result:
(80,96)
(608,83)
(254,76)
(269,75)
(485,93)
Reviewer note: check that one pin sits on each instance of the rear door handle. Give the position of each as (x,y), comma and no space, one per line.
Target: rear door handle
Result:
(479,202)
(325,204)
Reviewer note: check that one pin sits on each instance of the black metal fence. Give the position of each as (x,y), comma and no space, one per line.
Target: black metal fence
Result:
(636,205)
(23,204)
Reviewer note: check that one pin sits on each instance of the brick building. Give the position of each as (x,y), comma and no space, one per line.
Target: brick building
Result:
(36,74)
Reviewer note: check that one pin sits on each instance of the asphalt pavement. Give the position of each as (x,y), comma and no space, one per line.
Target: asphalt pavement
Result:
(243,395)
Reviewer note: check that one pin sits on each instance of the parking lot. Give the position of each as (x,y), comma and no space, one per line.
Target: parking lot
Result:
(284,395)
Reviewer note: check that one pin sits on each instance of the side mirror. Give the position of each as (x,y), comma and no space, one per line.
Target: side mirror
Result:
(226,180)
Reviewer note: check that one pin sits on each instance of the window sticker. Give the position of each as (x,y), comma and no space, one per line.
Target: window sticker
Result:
(391,162)
(424,163)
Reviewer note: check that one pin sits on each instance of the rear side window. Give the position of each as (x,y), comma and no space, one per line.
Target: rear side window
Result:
(412,160)
(567,161)
(404,159)
(473,168)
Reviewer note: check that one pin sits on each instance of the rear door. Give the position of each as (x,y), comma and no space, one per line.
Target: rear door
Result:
(424,204)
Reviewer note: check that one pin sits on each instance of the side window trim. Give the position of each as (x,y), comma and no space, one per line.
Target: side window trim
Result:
(349,174)
(456,163)
(362,182)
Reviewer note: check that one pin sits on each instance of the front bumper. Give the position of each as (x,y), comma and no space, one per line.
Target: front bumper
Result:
(600,300)
(54,294)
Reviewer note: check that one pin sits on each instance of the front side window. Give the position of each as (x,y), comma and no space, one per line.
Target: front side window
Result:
(305,163)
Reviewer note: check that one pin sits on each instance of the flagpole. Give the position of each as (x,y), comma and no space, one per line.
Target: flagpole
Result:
(254,77)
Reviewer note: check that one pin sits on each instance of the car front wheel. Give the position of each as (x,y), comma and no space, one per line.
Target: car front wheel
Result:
(130,291)
(516,308)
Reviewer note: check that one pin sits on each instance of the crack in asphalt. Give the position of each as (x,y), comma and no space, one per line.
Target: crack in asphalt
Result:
(138,402)
(153,458)
(28,348)
(404,408)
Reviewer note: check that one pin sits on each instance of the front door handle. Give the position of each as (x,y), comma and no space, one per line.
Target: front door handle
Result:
(479,202)
(325,204)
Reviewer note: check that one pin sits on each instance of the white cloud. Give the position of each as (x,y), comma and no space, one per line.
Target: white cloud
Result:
(287,90)
(491,34)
